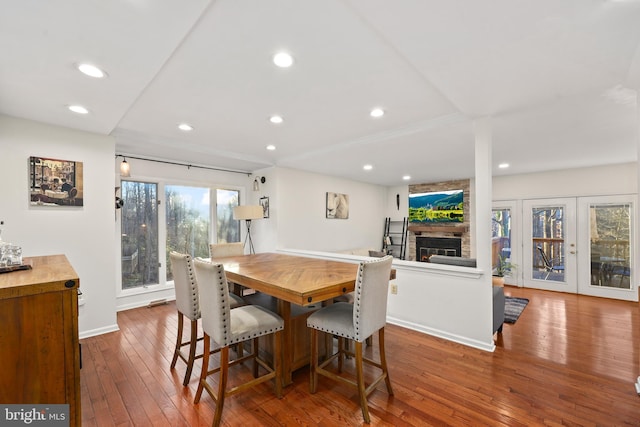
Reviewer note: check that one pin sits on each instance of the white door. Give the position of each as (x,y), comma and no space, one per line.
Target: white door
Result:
(549,250)
(605,248)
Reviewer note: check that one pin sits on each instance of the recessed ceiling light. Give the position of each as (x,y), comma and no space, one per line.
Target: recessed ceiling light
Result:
(503,165)
(367,167)
(91,71)
(377,112)
(186,127)
(78,109)
(406,177)
(276,119)
(271,147)
(283,60)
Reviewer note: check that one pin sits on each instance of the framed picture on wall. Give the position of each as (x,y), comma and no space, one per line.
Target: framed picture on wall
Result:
(264,202)
(337,206)
(55,182)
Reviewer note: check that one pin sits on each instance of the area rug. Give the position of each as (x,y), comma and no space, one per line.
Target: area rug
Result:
(513,308)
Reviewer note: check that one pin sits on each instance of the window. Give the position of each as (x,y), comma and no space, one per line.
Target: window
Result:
(228,229)
(139,227)
(186,224)
(188,214)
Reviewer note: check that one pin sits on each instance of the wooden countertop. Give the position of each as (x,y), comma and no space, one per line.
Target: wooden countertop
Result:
(48,273)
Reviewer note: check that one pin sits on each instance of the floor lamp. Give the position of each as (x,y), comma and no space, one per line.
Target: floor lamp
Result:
(248,212)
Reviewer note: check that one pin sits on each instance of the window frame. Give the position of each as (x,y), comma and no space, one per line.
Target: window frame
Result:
(165,284)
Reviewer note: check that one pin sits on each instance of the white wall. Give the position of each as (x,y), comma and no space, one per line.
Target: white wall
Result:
(391,208)
(265,231)
(301,212)
(83,234)
(592,181)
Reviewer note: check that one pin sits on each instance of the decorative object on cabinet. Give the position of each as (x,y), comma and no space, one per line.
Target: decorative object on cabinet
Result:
(55,183)
(337,206)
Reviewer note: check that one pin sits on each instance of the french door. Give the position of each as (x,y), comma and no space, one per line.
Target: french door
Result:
(549,252)
(607,248)
(580,245)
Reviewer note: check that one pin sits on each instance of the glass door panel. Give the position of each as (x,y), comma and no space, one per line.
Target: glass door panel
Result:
(550,254)
(610,245)
(608,253)
(548,250)
(500,239)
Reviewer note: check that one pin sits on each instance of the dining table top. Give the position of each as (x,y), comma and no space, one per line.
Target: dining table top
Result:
(296,279)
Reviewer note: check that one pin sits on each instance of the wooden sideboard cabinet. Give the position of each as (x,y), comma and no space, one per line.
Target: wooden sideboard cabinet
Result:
(39,349)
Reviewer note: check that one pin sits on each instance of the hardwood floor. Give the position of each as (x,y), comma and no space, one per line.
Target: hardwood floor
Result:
(569,360)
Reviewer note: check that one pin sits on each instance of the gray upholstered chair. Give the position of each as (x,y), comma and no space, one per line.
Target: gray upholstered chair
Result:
(187,303)
(227,326)
(355,322)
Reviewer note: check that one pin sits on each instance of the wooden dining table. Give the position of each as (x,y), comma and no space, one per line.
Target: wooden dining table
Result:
(301,281)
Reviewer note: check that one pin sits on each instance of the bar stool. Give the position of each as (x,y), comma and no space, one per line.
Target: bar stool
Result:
(355,322)
(187,303)
(227,326)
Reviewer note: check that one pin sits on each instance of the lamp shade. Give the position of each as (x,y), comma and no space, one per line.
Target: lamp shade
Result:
(248,212)
(125,171)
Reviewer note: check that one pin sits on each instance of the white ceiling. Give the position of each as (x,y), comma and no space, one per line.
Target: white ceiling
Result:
(559,78)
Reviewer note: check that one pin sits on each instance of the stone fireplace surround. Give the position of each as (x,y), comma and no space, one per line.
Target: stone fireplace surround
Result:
(449,230)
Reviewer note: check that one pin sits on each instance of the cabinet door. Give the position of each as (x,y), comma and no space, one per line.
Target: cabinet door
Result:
(32,349)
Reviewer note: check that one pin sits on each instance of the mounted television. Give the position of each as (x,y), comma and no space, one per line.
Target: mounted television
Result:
(436,207)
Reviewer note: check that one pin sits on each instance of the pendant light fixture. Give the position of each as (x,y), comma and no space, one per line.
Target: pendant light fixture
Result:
(125,171)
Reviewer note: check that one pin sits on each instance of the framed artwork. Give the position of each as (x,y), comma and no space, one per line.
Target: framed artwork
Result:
(337,206)
(55,182)
(264,202)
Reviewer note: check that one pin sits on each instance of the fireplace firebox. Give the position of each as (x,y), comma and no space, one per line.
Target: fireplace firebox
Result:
(427,246)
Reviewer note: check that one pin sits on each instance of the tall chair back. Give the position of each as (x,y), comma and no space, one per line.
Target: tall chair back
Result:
(221,250)
(215,302)
(184,279)
(370,297)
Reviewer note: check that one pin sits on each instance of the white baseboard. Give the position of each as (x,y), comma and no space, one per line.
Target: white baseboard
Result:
(99,331)
(444,335)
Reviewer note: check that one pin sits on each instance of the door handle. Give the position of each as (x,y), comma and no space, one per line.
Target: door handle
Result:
(572,252)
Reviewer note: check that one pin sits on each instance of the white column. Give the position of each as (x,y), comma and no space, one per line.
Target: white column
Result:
(483,196)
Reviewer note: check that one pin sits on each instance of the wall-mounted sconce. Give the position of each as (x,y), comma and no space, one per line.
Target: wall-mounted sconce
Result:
(125,171)
(119,201)
(257,181)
